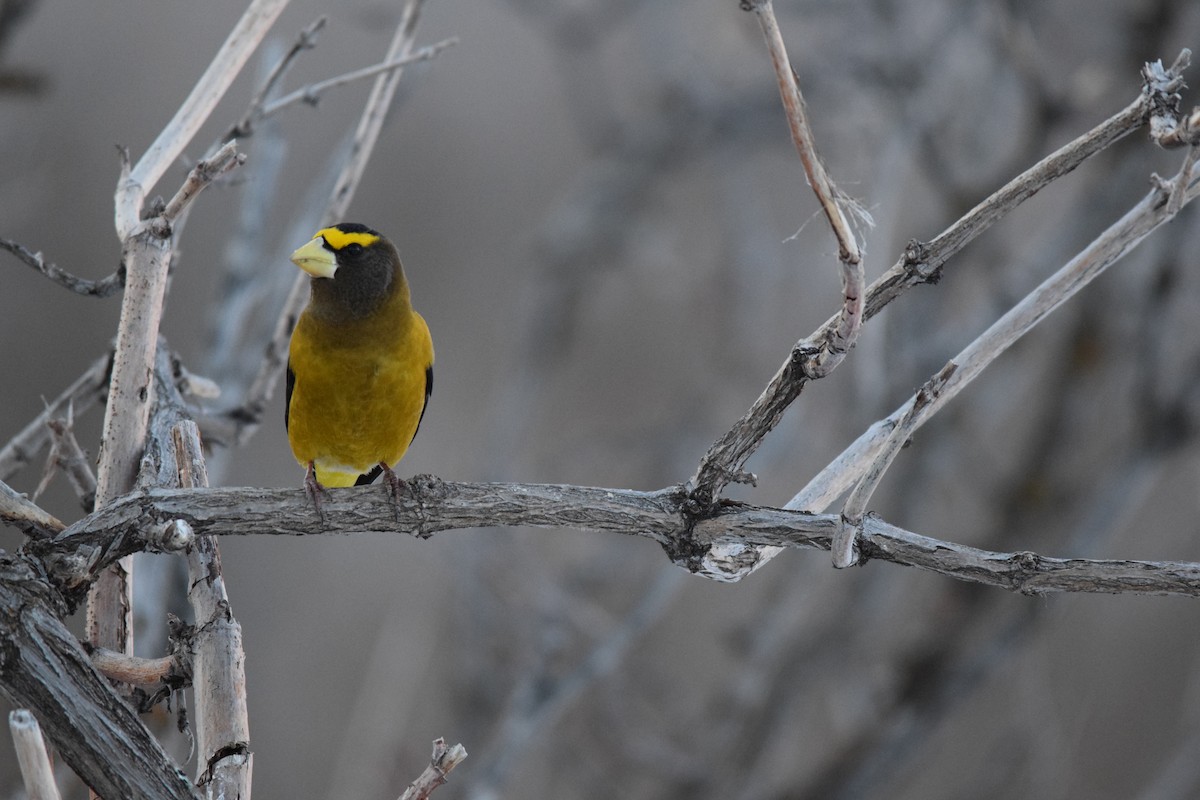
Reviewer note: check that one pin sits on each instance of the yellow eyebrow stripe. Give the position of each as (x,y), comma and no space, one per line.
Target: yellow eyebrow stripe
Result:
(337,239)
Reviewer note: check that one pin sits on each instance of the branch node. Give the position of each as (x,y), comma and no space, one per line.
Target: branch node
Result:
(175,536)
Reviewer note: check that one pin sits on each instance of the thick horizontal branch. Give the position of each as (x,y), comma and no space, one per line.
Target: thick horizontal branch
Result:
(431,505)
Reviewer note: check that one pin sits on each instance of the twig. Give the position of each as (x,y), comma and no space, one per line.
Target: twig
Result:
(311,94)
(1168,127)
(843,549)
(432,505)
(825,355)
(134,670)
(32,758)
(921,262)
(254,114)
(443,760)
(201,175)
(66,455)
(1121,237)
(105,287)
(137,183)
(80,395)
(371,121)
(27,516)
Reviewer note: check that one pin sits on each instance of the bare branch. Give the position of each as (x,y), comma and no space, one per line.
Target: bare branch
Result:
(431,505)
(443,760)
(371,121)
(1121,237)
(823,356)
(66,455)
(921,263)
(133,670)
(18,510)
(105,287)
(219,675)
(845,553)
(311,94)
(254,114)
(201,175)
(226,64)
(80,395)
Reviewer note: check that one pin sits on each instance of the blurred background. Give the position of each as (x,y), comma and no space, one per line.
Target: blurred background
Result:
(606,226)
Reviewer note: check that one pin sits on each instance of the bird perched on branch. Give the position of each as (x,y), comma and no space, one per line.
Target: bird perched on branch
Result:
(360,366)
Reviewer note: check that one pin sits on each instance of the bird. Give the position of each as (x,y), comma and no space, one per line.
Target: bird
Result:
(360,363)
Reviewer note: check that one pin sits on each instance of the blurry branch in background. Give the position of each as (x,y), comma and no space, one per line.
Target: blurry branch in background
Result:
(82,394)
(68,457)
(541,699)
(104,287)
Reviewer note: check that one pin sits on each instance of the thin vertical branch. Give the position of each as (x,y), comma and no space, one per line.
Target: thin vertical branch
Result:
(225,762)
(146,255)
(32,757)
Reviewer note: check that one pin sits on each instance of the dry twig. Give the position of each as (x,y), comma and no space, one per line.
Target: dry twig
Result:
(105,287)
(444,759)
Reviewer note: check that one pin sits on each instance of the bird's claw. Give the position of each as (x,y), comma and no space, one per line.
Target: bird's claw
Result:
(396,487)
(317,494)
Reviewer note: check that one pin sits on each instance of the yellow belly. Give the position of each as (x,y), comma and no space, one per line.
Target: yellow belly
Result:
(357,397)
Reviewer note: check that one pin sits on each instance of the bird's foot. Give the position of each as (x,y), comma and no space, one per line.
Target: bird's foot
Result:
(317,493)
(396,487)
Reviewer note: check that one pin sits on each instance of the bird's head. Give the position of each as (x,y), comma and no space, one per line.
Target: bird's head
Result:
(354,268)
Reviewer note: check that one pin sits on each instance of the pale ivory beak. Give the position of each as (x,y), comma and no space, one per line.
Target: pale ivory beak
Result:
(316,259)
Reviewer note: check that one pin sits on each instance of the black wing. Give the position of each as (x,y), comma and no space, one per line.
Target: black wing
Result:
(428,391)
(369,477)
(287,398)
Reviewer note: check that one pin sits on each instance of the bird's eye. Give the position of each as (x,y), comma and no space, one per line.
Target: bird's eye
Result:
(353,249)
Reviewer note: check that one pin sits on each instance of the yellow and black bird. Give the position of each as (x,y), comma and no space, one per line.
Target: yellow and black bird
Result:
(360,366)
